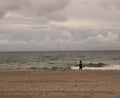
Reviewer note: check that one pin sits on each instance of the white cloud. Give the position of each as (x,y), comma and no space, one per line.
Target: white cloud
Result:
(78,23)
(67,36)
(109,38)
(4,42)
(90,14)
(65,42)
(100,41)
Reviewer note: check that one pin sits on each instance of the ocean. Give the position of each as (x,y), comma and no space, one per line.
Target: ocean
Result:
(99,60)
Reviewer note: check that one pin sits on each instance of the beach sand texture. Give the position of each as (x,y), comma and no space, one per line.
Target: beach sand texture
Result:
(60,84)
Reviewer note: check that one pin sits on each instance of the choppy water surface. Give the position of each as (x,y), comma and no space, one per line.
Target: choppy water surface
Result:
(64,59)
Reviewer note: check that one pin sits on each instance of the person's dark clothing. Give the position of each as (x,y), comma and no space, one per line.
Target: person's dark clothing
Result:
(80,65)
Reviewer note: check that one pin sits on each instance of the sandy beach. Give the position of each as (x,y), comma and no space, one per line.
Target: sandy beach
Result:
(60,84)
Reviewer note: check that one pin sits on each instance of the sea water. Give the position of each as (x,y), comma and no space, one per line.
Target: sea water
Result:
(58,59)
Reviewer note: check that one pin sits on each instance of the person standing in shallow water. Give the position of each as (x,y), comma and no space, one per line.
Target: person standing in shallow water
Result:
(80,65)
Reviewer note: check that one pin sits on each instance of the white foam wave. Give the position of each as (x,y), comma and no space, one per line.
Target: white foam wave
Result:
(111,67)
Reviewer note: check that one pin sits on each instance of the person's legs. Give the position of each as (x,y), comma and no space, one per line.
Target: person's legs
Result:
(81,68)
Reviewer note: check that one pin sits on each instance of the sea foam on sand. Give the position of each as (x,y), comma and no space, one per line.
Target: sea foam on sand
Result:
(111,67)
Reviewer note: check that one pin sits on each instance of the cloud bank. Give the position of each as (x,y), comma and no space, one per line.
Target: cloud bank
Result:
(65,41)
(59,25)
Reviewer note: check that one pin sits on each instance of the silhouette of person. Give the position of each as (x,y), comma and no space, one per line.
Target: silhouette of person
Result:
(80,65)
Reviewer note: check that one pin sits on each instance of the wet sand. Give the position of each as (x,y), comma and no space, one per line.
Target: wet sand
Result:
(60,84)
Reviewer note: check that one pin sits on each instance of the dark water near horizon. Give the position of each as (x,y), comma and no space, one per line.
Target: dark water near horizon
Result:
(49,59)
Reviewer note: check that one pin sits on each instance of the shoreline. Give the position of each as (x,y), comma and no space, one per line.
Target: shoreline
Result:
(109,67)
(73,68)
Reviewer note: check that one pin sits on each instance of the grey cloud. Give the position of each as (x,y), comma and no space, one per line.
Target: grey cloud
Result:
(57,17)
(110,4)
(34,8)
(2,13)
(26,26)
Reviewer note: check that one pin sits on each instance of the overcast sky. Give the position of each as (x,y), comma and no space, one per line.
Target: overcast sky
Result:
(41,25)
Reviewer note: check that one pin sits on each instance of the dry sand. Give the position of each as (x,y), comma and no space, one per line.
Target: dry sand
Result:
(60,84)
